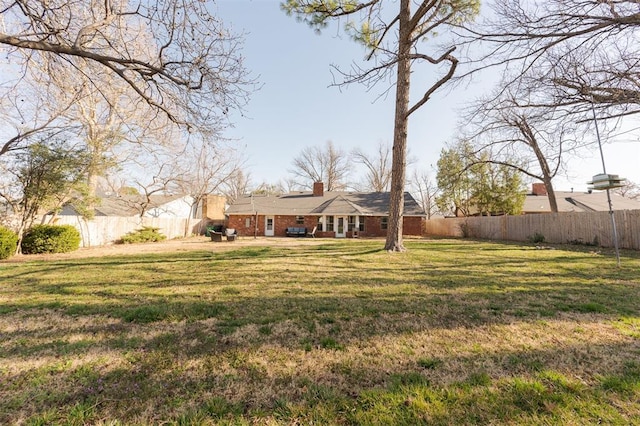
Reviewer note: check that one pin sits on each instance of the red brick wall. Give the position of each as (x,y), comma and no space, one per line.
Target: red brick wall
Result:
(372,227)
(411,226)
(325,234)
(538,189)
(238,223)
(318,189)
(284,222)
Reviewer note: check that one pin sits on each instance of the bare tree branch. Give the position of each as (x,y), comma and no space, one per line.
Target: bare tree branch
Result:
(377,167)
(326,164)
(577,52)
(174,54)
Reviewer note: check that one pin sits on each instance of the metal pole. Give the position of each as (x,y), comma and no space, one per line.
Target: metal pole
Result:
(255,224)
(604,170)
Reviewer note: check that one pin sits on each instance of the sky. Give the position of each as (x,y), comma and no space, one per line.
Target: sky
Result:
(296,107)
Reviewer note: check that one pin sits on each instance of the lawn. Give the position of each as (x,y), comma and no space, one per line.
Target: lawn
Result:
(451,332)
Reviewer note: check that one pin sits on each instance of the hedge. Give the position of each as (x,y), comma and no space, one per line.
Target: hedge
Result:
(50,239)
(8,242)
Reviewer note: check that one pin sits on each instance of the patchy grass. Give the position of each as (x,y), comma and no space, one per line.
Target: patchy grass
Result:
(450,332)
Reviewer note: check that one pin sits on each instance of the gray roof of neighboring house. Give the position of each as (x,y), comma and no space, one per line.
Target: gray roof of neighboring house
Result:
(579,202)
(125,205)
(330,203)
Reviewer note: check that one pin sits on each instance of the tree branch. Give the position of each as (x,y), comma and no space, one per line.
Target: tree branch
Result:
(452,68)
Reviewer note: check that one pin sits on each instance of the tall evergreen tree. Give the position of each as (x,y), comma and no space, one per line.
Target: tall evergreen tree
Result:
(392,32)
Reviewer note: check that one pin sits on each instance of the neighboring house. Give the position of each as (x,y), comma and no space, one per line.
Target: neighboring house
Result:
(333,214)
(162,206)
(569,201)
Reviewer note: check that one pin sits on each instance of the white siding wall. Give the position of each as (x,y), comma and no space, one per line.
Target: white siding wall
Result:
(103,230)
(176,208)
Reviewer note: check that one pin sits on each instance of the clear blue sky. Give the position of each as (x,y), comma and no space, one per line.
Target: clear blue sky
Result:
(296,108)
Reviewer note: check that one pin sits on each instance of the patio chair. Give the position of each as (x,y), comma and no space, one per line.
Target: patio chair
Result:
(312,234)
(231,234)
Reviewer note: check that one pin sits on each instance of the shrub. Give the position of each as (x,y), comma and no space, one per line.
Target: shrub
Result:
(580,242)
(147,234)
(50,239)
(536,238)
(466,230)
(8,242)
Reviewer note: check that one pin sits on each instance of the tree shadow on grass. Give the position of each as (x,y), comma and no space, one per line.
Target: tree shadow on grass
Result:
(481,388)
(124,352)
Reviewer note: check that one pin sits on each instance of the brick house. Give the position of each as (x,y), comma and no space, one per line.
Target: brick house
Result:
(333,214)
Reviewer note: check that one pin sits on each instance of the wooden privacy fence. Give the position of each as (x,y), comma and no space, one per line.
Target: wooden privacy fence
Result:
(103,230)
(582,228)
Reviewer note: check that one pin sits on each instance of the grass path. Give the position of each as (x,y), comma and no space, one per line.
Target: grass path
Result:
(335,332)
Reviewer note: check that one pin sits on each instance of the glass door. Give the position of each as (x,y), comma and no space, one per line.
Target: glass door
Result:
(341,227)
(268,226)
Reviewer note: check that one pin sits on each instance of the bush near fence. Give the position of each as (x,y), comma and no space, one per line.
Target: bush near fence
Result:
(577,228)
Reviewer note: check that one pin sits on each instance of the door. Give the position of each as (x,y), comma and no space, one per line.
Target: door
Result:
(341,227)
(268,226)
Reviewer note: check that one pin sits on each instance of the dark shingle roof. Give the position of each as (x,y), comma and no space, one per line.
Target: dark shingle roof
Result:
(330,203)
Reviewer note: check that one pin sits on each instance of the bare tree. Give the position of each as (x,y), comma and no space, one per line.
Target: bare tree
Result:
(204,169)
(31,112)
(163,182)
(266,188)
(326,164)
(237,185)
(575,53)
(566,60)
(392,35)
(288,185)
(629,190)
(175,55)
(535,141)
(377,177)
(111,120)
(426,190)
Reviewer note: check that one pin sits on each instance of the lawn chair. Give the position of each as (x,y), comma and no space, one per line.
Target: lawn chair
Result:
(312,234)
(231,234)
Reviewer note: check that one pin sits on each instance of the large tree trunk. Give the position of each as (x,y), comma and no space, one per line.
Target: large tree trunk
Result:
(396,202)
(546,177)
(553,203)
(532,141)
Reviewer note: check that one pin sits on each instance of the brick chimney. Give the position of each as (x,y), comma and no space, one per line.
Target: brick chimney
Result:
(318,189)
(538,189)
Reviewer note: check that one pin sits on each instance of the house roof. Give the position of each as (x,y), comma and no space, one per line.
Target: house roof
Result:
(125,205)
(579,202)
(330,203)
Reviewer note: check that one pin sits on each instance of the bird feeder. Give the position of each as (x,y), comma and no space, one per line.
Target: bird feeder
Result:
(604,181)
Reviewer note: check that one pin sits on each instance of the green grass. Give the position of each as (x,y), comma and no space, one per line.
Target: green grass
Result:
(450,332)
